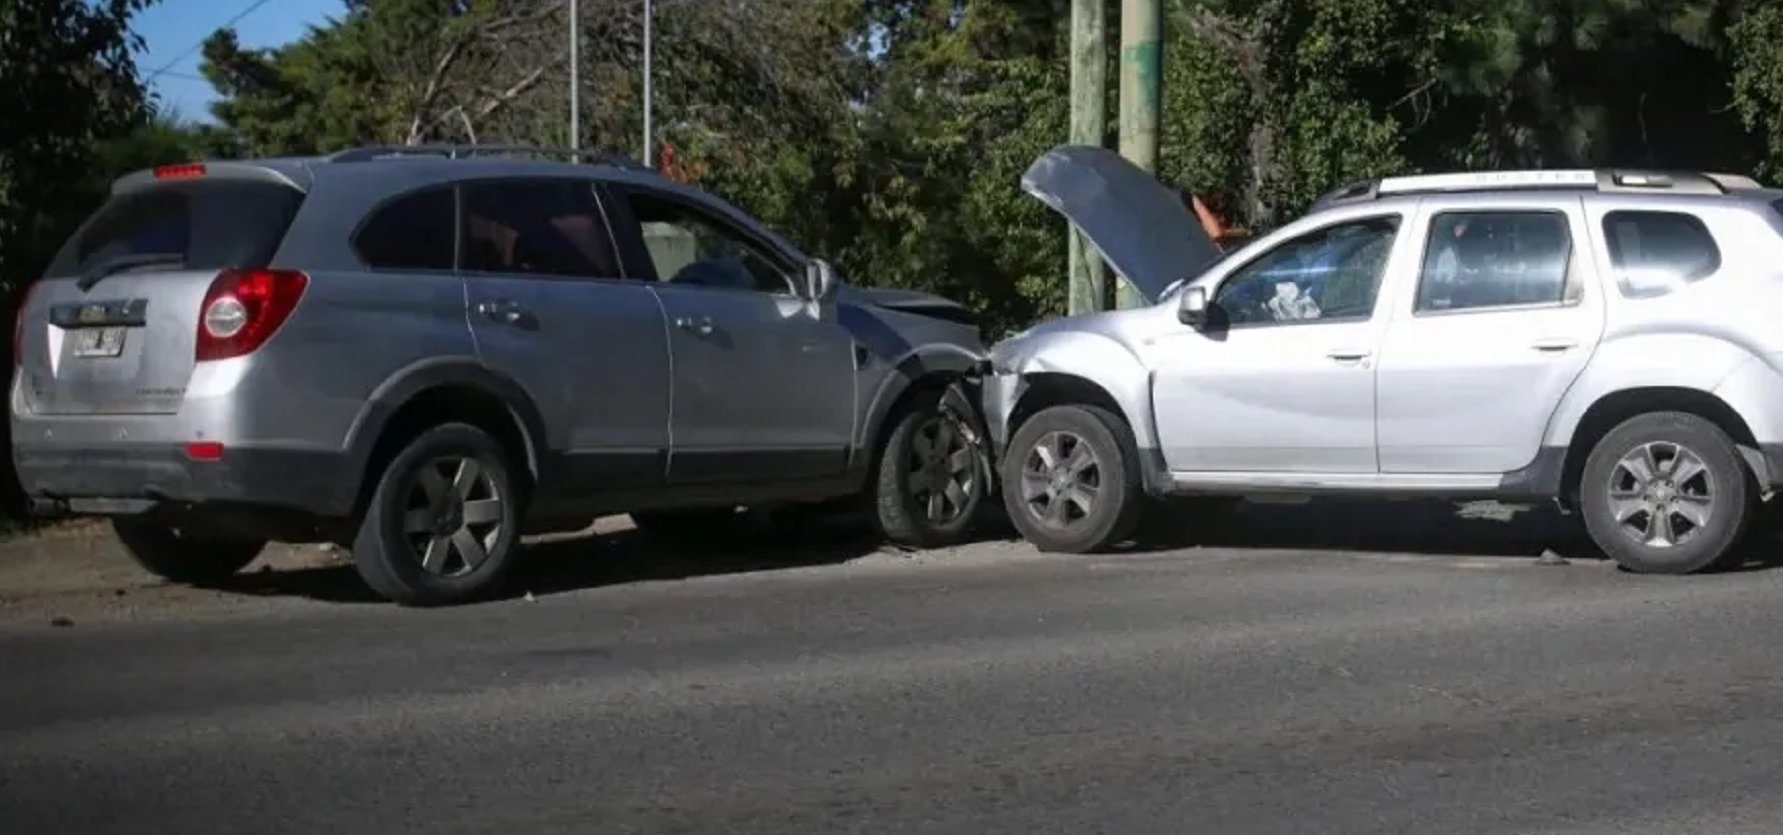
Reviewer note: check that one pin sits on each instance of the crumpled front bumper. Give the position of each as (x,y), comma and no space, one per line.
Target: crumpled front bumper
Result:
(1000,393)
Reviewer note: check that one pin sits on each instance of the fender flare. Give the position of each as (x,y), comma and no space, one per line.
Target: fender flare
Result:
(402,387)
(951,360)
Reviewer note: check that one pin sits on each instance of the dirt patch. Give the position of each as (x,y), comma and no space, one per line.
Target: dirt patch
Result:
(79,570)
(79,573)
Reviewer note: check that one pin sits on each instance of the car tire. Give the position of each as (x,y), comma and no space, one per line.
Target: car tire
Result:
(442,525)
(178,557)
(1115,503)
(929,482)
(1671,522)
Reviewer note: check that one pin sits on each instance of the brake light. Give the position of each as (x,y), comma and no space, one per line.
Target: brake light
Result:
(244,308)
(18,326)
(179,171)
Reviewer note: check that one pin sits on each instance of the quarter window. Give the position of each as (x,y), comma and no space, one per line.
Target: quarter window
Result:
(1481,260)
(413,232)
(1333,274)
(536,227)
(1654,253)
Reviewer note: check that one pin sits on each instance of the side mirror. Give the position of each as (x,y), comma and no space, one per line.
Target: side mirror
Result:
(1191,307)
(820,279)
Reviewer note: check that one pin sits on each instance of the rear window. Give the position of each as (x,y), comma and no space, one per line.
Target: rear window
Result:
(1654,253)
(208,224)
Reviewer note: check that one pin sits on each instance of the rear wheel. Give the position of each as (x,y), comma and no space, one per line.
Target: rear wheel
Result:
(1071,479)
(1666,493)
(442,525)
(929,482)
(178,556)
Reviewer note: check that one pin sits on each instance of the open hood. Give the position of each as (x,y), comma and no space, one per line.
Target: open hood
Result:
(1140,227)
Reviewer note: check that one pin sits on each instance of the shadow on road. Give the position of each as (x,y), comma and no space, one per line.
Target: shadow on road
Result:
(585,561)
(1357,525)
(1473,529)
(1420,527)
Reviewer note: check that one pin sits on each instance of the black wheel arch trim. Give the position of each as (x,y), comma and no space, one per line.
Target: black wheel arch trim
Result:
(404,386)
(906,371)
(958,367)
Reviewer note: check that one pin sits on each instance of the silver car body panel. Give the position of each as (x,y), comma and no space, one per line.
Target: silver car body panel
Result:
(615,407)
(1464,402)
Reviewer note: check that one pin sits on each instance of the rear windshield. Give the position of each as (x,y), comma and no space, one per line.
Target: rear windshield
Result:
(208,224)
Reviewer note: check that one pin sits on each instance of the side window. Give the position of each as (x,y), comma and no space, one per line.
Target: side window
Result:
(688,246)
(1487,259)
(1654,253)
(410,233)
(536,227)
(1333,274)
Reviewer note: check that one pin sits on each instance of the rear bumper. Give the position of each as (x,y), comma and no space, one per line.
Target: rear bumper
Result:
(123,479)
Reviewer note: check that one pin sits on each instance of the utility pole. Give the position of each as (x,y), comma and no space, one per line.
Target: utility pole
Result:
(649,144)
(1089,126)
(1141,87)
(575,78)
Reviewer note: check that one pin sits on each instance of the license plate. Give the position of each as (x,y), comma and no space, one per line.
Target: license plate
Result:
(99,342)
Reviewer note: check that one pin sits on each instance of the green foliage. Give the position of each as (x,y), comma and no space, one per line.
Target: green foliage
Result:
(67,84)
(68,92)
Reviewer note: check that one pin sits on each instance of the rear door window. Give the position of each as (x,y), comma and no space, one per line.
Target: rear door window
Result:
(412,232)
(536,227)
(199,224)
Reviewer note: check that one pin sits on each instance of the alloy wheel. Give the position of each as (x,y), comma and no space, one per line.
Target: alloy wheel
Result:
(1061,480)
(452,516)
(943,470)
(1661,494)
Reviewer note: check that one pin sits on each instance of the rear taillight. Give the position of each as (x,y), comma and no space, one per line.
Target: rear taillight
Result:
(18,326)
(244,308)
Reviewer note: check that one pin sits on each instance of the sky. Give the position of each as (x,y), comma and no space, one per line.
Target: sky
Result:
(173,29)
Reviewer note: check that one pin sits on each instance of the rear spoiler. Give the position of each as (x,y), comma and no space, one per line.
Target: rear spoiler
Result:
(294,173)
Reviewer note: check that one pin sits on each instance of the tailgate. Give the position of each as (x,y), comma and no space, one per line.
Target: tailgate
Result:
(124,342)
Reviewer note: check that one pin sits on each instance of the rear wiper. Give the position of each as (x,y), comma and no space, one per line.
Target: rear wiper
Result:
(126,262)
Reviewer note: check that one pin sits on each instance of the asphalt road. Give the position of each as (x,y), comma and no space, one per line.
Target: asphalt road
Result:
(1207,690)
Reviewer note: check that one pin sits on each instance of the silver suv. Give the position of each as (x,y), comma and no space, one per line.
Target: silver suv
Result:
(423,353)
(1609,339)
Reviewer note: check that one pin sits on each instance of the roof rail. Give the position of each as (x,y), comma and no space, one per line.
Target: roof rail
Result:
(1610,180)
(371,152)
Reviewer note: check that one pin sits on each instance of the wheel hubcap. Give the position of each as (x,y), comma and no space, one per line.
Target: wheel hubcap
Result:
(1061,480)
(452,517)
(1662,494)
(943,474)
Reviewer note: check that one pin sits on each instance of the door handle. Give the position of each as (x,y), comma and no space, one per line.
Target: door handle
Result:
(505,311)
(1554,345)
(701,325)
(1348,354)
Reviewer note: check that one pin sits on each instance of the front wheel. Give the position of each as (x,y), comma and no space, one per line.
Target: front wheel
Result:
(178,556)
(443,523)
(929,483)
(1666,493)
(1071,480)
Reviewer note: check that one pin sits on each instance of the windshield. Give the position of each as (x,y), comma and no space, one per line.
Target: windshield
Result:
(187,224)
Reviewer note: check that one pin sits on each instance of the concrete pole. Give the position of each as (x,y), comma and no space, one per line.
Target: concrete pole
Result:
(1089,126)
(575,79)
(649,141)
(1142,73)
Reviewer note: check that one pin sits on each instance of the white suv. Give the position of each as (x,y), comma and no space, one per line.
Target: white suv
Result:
(1609,339)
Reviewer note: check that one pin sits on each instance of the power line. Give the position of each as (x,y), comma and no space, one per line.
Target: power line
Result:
(251,8)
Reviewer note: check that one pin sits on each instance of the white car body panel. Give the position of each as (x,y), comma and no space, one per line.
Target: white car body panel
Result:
(1476,401)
